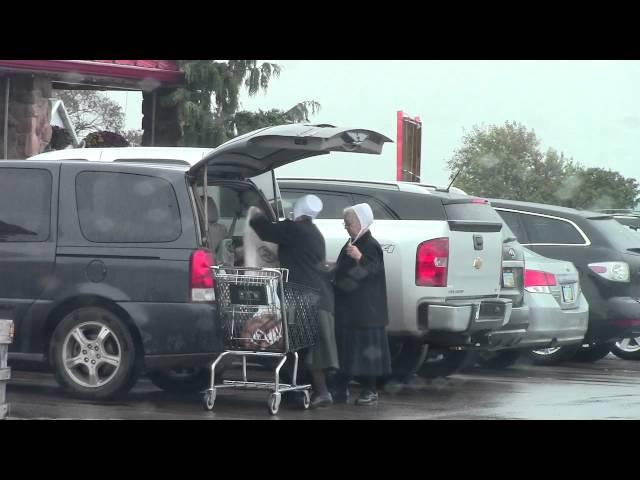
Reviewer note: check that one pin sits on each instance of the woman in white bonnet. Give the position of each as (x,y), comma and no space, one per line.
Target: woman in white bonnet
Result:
(301,248)
(361,308)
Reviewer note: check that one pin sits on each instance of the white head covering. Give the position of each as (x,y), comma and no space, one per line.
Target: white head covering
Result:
(309,205)
(365,217)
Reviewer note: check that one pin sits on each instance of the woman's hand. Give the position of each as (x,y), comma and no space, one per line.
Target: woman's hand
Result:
(354,252)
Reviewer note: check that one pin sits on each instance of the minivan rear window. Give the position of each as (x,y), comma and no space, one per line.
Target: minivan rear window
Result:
(127,208)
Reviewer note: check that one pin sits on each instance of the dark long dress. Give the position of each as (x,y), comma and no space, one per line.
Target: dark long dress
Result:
(361,311)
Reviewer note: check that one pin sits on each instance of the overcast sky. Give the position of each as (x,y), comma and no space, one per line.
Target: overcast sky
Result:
(590,110)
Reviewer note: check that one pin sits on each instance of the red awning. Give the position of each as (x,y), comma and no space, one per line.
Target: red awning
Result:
(163,71)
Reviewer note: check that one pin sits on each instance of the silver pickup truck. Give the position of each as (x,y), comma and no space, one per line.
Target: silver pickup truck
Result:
(443,261)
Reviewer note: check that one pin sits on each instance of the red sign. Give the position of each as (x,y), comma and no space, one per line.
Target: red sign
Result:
(409,148)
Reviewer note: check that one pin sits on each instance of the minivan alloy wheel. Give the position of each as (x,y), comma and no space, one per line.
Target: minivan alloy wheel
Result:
(91,354)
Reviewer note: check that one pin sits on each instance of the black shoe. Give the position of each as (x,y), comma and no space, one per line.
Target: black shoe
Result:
(367,398)
(321,401)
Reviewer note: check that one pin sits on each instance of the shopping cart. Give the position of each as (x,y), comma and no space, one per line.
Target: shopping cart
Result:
(263,315)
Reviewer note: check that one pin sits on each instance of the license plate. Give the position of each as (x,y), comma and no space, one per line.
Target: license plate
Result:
(508,280)
(567,293)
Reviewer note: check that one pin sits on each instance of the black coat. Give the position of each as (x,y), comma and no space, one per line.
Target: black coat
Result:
(302,250)
(360,287)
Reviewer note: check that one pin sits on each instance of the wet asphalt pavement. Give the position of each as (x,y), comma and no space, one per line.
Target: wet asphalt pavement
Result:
(607,389)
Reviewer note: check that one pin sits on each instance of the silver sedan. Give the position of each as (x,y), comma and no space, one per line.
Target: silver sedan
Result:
(554,311)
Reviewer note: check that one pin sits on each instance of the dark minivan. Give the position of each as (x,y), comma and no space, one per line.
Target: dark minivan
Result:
(106,265)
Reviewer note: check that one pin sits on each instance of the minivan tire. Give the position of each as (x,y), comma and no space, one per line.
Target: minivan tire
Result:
(99,352)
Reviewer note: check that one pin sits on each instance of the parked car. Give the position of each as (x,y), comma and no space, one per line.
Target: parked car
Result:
(443,264)
(607,256)
(106,264)
(548,305)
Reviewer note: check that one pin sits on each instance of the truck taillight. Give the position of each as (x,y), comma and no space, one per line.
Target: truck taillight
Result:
(536,281)
(201,277)
(432,263)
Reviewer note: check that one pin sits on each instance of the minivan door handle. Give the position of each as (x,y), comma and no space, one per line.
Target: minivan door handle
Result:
(478,242)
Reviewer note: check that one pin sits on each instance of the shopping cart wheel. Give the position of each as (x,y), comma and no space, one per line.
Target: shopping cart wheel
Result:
(305,400)
(274,403)
(209,399)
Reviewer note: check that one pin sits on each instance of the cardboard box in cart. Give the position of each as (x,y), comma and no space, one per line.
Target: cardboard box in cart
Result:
(6,336)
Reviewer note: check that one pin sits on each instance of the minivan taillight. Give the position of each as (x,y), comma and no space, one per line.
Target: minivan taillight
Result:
(432,263)
(536,281)
(201,278)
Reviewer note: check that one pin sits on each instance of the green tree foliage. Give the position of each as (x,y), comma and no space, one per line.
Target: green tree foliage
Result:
(246,121)
(506,162)
(599,188)
(209,99)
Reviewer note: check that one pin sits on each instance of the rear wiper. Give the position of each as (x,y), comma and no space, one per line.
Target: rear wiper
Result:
(509,240)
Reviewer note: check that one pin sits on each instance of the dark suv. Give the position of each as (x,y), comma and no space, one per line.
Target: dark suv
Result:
(607,256)
(106,265)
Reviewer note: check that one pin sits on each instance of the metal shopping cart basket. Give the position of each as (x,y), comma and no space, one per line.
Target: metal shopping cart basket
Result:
(263,315)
